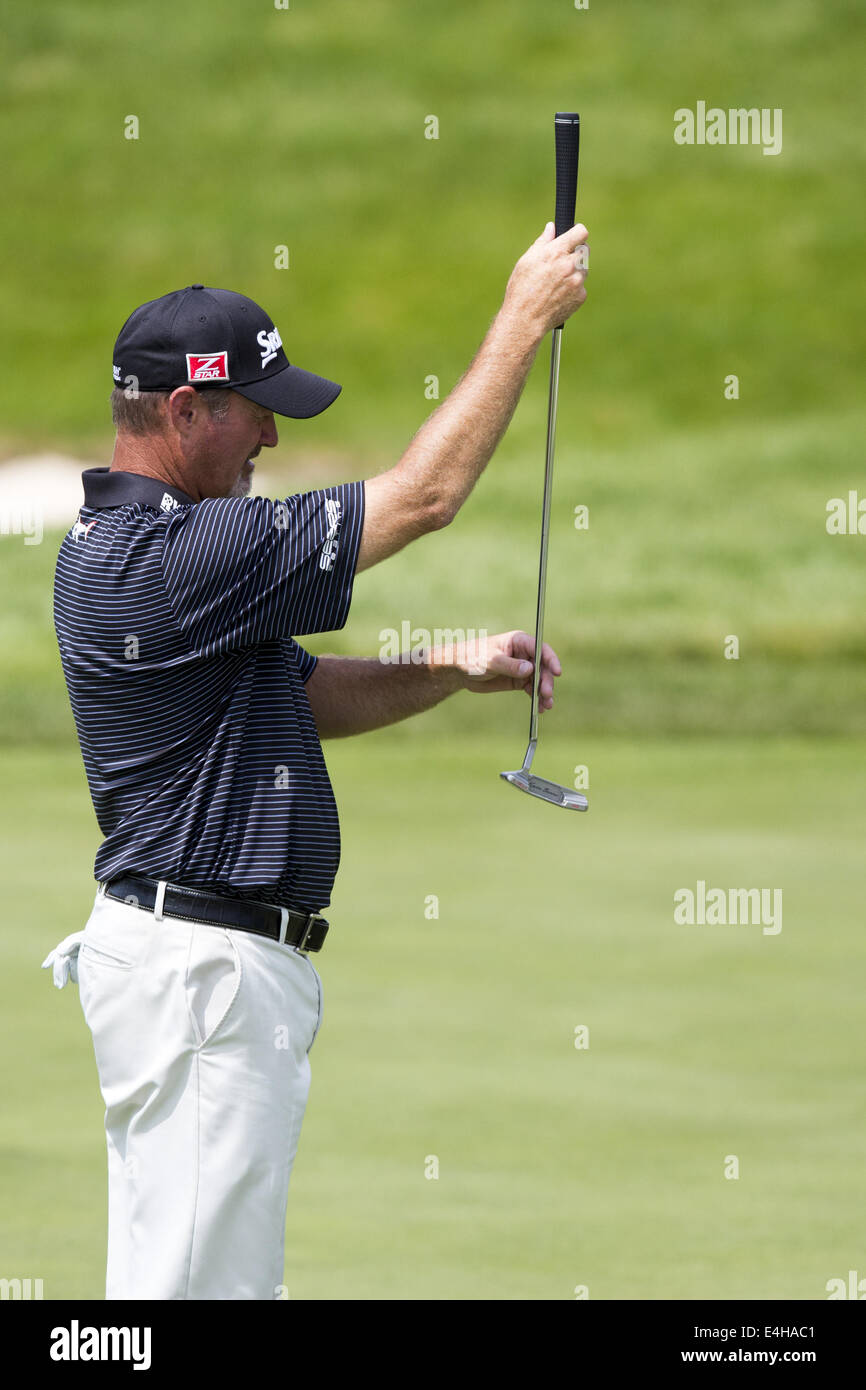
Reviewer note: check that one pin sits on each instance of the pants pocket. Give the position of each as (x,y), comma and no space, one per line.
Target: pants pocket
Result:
(116,934)
(102,955)
(212,982)
(318,979)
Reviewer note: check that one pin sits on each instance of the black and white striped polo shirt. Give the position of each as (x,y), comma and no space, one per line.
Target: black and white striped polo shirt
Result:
(175,622)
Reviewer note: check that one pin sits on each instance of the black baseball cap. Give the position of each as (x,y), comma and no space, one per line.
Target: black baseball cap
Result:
(206,337)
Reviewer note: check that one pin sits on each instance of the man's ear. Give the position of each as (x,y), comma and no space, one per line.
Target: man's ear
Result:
(185,408)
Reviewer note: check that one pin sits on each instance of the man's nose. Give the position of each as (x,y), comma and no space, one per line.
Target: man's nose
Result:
(269,433)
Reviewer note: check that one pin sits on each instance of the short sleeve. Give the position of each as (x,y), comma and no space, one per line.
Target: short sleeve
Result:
(239,571)
(304,660)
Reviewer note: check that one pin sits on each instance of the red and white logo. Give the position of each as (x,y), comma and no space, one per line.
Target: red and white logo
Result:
(82,530)
(213,367)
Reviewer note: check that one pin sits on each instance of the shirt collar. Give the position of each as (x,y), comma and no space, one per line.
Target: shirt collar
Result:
(105,488)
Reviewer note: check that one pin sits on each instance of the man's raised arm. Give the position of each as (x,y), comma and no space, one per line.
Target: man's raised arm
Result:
(427,488)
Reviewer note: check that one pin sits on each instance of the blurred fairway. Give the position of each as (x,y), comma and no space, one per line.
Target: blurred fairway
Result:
(305,128)
(693,539)
(455,1037)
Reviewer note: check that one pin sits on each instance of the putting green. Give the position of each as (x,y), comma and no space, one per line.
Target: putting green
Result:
(452,1038)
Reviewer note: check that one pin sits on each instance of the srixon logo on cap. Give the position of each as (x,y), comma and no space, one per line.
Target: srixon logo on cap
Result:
(214,366)
(269,343)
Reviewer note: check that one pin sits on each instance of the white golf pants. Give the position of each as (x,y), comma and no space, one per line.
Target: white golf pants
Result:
(201,1036)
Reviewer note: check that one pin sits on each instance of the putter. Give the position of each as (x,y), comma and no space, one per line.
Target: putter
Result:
(567,134)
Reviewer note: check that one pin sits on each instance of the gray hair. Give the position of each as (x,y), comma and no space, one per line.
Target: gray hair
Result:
(143,412)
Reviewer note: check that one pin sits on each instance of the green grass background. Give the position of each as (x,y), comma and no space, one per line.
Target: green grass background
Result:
(453,1037)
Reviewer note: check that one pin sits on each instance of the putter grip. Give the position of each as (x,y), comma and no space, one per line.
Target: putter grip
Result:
(567,129)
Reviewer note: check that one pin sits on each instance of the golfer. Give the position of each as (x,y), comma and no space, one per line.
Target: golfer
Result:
(178,604)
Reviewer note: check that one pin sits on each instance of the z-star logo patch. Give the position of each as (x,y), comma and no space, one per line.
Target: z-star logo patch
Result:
(269,344)
(334,513)
(214,366)
(169,503)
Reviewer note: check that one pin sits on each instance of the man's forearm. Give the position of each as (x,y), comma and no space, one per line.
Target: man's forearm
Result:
(451,450)
(437,472)
(352,695)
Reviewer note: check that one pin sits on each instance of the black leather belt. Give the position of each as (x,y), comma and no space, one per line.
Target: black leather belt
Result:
(306,931)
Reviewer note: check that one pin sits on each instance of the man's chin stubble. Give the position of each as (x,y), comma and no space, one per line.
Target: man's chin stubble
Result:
(242,485)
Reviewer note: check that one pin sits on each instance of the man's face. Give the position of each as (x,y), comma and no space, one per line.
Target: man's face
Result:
(223,448)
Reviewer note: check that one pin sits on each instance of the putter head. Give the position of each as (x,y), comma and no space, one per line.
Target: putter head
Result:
(547,791)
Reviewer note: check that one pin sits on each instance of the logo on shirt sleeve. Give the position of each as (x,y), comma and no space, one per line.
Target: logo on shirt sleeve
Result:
(334,514)
(212,367)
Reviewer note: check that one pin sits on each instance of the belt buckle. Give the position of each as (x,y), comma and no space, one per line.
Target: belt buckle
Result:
(311,918)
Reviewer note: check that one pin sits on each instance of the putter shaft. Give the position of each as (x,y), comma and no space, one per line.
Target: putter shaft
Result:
(552,401)
(524,779)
